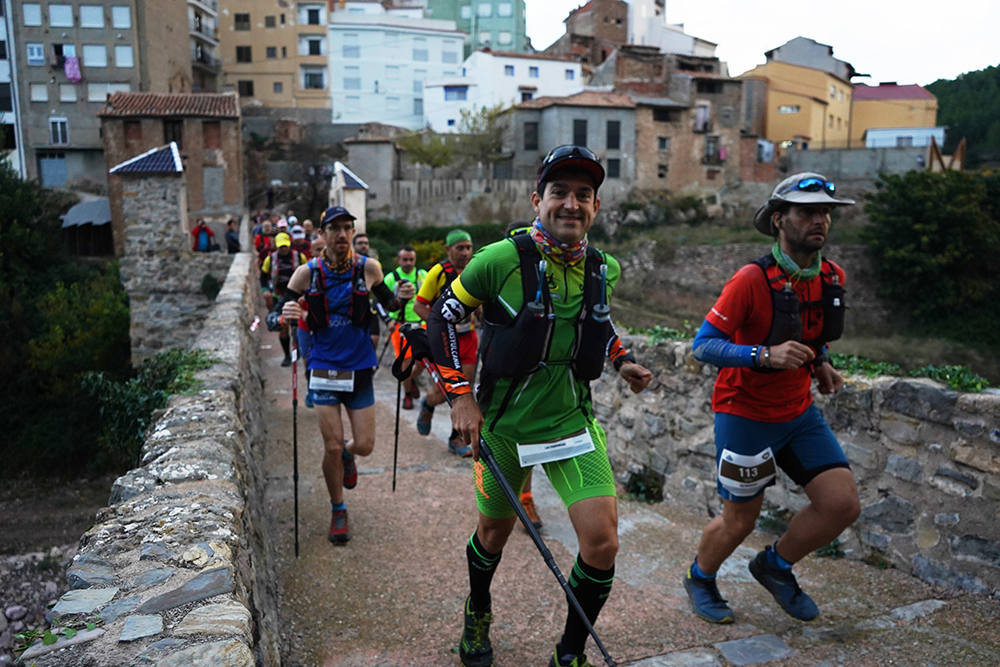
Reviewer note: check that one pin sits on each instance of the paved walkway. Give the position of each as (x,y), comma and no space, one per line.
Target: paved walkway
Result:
(393,595)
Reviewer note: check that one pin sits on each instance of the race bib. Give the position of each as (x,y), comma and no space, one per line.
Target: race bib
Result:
(325,380)
(746,475)
(556,450)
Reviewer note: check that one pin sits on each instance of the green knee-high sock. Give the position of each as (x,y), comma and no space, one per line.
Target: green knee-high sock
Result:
(591,587)
(482,565)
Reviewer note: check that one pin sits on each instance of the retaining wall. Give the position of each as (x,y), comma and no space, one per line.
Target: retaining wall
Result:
(926,460)
(177,567)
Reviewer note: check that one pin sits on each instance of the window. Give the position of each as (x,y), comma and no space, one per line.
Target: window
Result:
(211,134)
(829,122)
(314,78)
(614,134)
(704,86)
(271,52)
(903,142)
(713,155)
(455,93)
(36,53)
(789,108)
(121,16)
(3,49)
(505,9)
(63,51)
(504,37)
(39,92)
(580,131)
(531,136)
(123,56)
(245,88)
(661,170)
(840,95)
(95,55)
(533,72)
(570,75)
(352,78)
(527,95)
(311,14)
(661,115)
(32,13)
(485,38)
(173,130)
(833,91)
(244,54)
(508,70)
(466,12)
(61,16)
(484,9)
(418,80)
(67,92)
(98,92)
(420,53)
(451,122)
(58,131)
(663,143)
(282,19)
(614,168)
(351,49)
(91,16)
(241,21)
(284,52)
(133,131)
(278,87)
(449,57)
(418,106)
(311,46)
(6,101)
(269,21)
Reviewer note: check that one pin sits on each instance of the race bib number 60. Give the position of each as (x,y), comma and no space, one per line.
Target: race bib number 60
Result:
(746,475)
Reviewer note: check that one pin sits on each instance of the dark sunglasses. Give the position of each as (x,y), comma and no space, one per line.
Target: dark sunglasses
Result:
(567,151)
(811,184)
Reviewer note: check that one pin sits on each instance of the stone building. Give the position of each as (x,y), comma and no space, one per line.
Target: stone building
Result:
(206,129)
(70,58)
(593,31)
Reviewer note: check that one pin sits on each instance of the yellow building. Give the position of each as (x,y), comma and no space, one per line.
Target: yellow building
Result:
(274,53)
(803,107)
(888,105)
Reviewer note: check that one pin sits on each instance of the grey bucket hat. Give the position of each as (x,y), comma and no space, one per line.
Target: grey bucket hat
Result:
(807,187)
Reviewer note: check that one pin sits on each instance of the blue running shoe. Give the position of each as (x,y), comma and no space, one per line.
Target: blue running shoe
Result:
(706,601)
(424,418)
(309,400)
(782,586)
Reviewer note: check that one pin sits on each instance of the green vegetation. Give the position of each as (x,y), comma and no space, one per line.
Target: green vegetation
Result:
(645,486)
(832,550)
(855,365)
(935,239)
(969,107)
(660,333)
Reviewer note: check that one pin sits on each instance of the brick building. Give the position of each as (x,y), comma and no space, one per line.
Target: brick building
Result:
(593,31)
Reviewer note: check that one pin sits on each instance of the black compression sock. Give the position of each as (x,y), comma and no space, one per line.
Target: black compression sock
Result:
(285,342)
(591,588)
(482,565)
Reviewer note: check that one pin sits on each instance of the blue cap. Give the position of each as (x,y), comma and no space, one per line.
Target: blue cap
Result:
(333,213)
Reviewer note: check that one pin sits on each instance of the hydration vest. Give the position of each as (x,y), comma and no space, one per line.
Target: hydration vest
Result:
(282,273)
(787,310)
(321,281)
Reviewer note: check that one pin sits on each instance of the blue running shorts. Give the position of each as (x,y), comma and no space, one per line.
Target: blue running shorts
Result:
(363,395)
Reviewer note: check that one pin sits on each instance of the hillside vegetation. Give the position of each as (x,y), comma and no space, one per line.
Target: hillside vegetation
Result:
(969,107)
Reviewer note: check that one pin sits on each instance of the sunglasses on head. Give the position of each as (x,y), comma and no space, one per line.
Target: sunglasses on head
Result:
(569,150)
(811,184)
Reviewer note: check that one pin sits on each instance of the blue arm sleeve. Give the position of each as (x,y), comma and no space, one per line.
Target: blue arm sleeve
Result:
(712,346)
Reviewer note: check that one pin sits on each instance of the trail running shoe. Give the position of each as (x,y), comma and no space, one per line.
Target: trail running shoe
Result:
(475,649)
(350,470)
(286,362)
(339,533)
(424,418)
(782,586)
(407,401)
(568,660)
(459,448)
(309,400)
(528,503)
(706,601)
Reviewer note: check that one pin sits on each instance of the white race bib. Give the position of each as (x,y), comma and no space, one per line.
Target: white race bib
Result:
(556,450)
(746,475)
(325,380)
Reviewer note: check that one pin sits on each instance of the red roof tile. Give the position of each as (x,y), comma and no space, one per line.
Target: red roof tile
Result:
(218,105)
(587,98)
(890,91)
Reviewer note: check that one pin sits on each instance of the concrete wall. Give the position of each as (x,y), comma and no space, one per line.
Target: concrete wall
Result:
(926,459)
(858,163)
(177,565)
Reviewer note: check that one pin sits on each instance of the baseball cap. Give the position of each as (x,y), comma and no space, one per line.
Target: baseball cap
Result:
(570,156)
(292,220)
(282,224)
(333,213)
(807,187)
(456,235)
(282,239)
(297,232)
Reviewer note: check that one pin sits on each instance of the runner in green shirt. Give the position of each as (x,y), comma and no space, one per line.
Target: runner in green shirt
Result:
(543,414)
(406,271)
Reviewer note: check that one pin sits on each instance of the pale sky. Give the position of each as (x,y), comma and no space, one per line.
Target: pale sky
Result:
(892,40)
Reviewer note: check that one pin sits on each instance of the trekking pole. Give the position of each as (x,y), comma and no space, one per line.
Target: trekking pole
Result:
(487,456)
(388,340)
(295,429)
(395,443)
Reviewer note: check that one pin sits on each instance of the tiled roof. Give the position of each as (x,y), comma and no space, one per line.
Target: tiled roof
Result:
(659,102)
(890,91)
(587,98)
(217,105)
(351,180)
(163,160)
(94,212)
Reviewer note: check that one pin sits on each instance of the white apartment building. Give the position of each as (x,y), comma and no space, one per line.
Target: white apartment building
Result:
(379,64)
(11,149)
(489,78)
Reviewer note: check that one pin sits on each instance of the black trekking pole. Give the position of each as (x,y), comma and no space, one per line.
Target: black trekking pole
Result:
(295,428)
(395,438)
(388,340)
(487,456)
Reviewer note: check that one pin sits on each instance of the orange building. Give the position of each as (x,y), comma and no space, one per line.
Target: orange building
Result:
(889,105)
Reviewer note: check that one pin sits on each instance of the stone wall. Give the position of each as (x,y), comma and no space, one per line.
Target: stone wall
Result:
(926,459)
(858,163)
(178,567)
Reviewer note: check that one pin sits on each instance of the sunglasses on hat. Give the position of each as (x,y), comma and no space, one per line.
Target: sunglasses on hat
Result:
(811,184)
(569,150)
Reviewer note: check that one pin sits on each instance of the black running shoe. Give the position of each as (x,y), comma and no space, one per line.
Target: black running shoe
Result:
(782,585)
(475,649)
(706,601)
(568,660)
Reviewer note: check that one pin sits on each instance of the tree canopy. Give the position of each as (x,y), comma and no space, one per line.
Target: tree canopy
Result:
(969,107)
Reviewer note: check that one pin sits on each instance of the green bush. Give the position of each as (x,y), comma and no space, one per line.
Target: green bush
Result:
(851,363)
(959,378)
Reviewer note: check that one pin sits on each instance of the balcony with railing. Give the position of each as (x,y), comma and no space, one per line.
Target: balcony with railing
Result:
(204,30)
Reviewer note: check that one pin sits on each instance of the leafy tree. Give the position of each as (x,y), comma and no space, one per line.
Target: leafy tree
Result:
(480,135)
(427,147)
(970,107)
(935,239)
